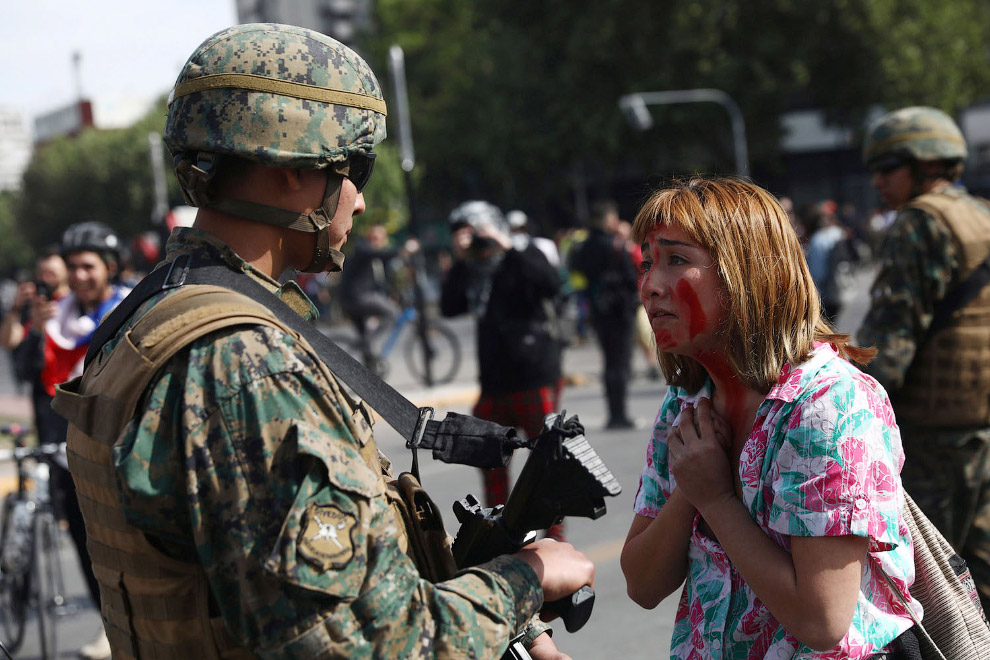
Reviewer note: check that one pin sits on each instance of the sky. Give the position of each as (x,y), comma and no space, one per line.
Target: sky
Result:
(131,51)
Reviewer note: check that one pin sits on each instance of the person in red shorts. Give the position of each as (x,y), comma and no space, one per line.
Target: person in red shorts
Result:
(512,290)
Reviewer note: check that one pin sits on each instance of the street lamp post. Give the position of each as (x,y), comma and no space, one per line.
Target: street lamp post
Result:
(634,107)
(397,69)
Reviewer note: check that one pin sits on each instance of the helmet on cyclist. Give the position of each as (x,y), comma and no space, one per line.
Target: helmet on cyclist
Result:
(281,96)
(91,237)
(477,214)
(913,134)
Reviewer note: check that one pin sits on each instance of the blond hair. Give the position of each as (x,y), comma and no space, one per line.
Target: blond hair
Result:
(774,310)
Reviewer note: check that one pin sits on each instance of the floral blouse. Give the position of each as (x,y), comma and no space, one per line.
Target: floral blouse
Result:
(823,459)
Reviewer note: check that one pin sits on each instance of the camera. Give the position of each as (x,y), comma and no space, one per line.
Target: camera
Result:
(42,290)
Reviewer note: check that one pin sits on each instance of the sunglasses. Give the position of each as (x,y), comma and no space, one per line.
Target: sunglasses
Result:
(887,166)
(358,169)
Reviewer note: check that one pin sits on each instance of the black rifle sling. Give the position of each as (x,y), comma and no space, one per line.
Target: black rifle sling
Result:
(457,439)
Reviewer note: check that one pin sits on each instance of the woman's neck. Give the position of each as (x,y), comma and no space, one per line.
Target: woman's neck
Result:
(733,399)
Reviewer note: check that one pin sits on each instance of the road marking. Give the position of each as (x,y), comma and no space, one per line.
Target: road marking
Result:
(7,485)
(605,551)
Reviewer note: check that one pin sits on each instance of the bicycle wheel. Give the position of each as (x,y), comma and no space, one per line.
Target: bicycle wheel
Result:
(350,345)
(443,347)
(49,582)
(17,547)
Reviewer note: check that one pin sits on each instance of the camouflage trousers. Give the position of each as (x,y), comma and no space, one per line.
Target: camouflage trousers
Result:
(947,472)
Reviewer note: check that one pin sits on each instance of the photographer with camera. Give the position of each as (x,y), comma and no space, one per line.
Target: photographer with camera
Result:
(511,288)
(22,332)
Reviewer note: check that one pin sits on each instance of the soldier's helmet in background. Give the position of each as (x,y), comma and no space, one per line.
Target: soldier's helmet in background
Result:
(276,94)
(915,133)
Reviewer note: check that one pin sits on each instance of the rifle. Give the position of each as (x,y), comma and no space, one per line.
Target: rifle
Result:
(563,476)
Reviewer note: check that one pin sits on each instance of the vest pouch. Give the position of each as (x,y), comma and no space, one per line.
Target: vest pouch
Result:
(429,543)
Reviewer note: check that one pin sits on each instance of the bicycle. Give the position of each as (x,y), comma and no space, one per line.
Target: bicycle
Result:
(442,345)
(30,549)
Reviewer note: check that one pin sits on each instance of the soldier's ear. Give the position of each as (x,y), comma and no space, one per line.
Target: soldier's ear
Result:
(292,178)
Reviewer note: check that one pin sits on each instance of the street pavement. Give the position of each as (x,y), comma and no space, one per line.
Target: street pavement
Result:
(618,627)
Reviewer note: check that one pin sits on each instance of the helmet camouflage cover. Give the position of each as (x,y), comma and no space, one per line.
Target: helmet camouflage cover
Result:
(918,133)
(279,95)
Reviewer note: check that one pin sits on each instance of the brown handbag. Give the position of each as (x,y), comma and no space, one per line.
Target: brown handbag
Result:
(955,627)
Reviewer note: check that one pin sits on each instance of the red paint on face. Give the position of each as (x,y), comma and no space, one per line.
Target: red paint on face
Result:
(696,324)
(664,340)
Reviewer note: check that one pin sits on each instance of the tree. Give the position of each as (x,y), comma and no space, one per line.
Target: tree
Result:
(14,252)
(514,102)
(102,175)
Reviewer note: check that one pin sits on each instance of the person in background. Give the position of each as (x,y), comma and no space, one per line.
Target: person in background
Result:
(365,289)
(825,251)
(91,254)
(770,489)
(929,318)
(513,291)
(22,333)
(606,264)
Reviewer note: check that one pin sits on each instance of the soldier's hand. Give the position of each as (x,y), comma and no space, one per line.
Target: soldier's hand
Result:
(562,570)
(543,648)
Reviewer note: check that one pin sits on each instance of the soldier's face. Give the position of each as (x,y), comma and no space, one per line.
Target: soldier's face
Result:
(311,191)
(894,185)
(351,204)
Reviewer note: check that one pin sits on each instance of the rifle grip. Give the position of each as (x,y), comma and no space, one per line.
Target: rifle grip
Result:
(575,610)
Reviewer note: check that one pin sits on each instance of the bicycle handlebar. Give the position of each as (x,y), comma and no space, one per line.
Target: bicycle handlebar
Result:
(39,452)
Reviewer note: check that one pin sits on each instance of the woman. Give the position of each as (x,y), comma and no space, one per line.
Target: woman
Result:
(771,485)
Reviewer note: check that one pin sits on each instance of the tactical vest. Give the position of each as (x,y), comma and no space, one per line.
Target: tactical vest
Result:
(948,382)
(155,606)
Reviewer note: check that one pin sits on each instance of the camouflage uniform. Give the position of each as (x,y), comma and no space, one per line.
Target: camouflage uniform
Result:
(237,449)
(246,467)
(947,467)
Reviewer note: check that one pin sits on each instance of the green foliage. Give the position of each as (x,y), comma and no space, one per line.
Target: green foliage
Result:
(14,252)
(102,175)
(517,102)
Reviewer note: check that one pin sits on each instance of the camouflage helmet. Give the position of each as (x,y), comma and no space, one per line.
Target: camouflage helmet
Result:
(915,133)
(276,94)
(280,96)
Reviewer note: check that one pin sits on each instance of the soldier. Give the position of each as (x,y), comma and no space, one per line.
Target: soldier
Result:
(241,510)
(933,343)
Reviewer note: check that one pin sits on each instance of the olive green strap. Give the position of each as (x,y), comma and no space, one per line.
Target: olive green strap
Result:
(295,90)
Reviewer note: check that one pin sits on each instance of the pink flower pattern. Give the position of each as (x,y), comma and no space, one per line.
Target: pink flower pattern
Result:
(823,459)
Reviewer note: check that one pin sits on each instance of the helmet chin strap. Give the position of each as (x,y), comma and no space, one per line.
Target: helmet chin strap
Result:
(325,258)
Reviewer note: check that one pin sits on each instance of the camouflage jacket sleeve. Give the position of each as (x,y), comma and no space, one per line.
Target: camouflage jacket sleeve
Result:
(918,266)
(243,461)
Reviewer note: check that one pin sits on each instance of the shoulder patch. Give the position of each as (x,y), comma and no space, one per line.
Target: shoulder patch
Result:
(326,539)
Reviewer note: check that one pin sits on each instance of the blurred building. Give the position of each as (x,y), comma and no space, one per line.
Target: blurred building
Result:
(15,149)
(340,19)
(70,120)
